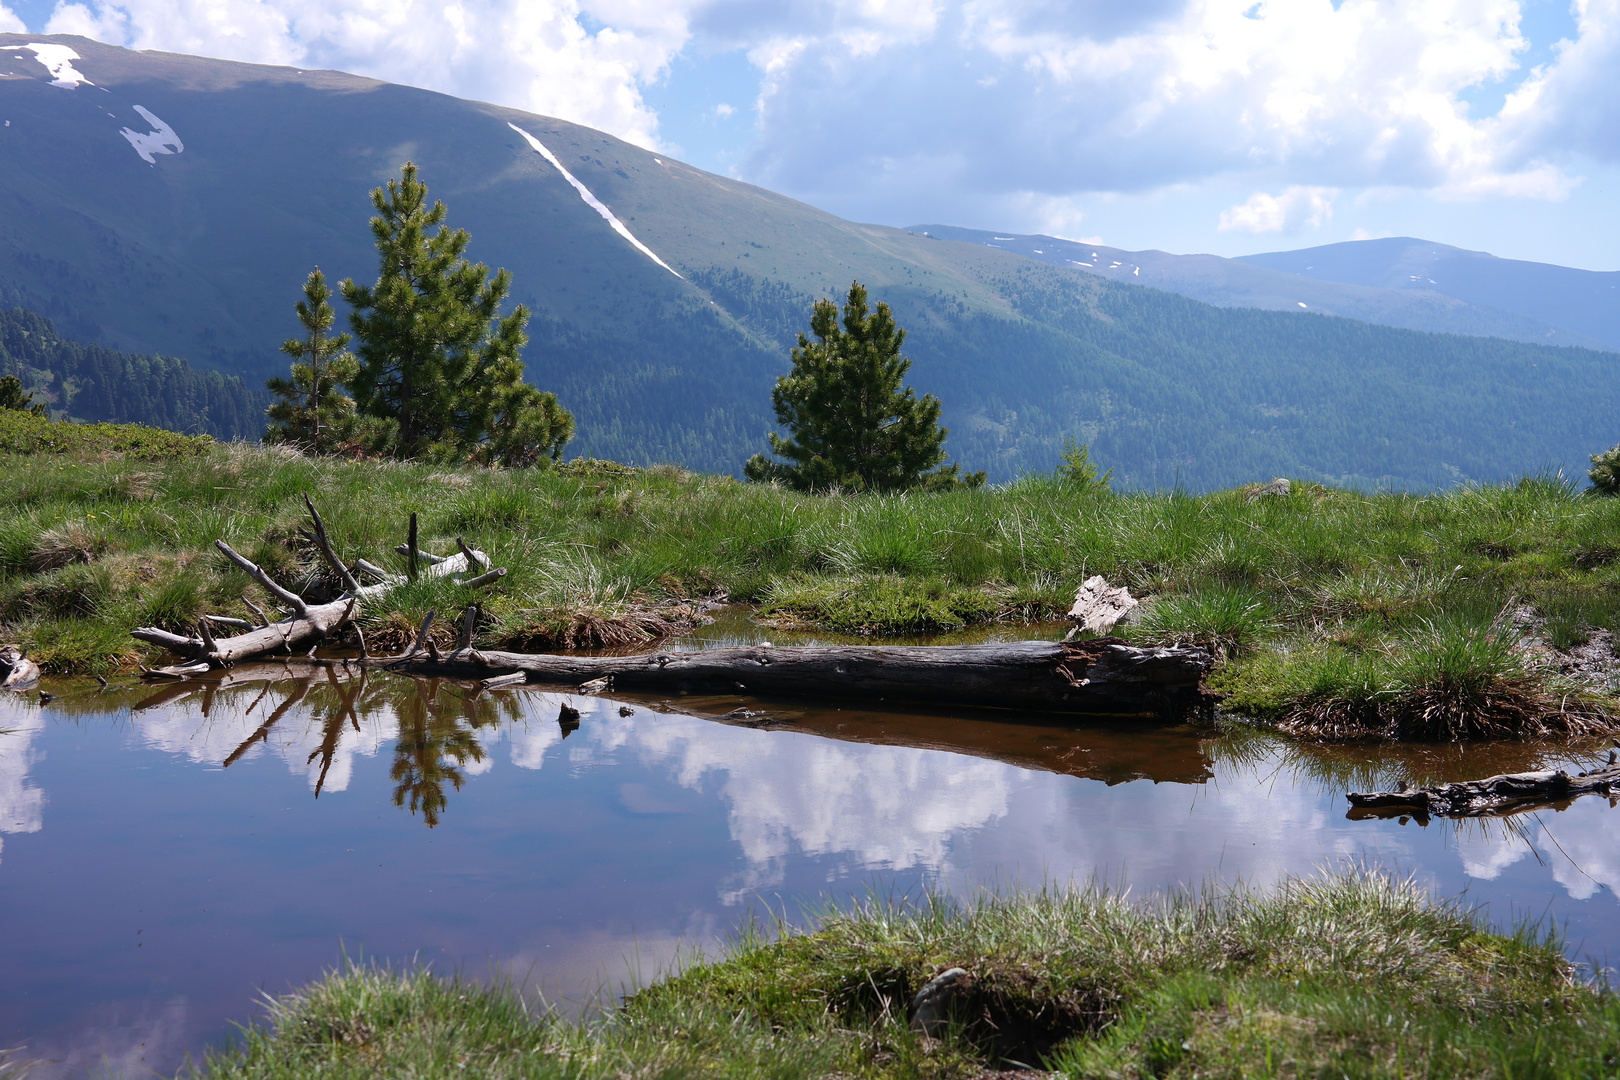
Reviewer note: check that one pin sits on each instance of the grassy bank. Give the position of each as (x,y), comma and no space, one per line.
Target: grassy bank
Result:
(1336,611)
(1346,975)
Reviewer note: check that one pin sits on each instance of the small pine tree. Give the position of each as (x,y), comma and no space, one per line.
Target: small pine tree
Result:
(853,423)
(1078,470)
(438,364)
(1605,472)
(13,396)
(308,410)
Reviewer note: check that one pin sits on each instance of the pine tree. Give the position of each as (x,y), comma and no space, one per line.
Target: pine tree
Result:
(13,396)
(1078,470)
(853,423)
(308,410)
(1605,472)
(437,362)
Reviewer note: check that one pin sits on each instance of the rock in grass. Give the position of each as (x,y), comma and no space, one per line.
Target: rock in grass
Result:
(1278,487)
(932,1007)
(1099,607)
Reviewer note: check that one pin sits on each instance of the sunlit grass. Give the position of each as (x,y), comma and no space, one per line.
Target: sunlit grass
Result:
(1289,590)
(1352,973)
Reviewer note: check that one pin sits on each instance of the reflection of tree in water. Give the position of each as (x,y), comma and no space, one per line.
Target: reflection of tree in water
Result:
(438,737)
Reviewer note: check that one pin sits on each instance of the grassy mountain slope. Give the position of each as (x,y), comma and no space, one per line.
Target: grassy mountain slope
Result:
(199,253)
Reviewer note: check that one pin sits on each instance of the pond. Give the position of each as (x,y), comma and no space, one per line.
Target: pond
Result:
(169,852)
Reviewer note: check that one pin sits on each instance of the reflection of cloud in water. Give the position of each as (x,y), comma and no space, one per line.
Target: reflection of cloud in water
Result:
(22,806)
(179,727)
(1487,848)
(889,808)
(121,1039)
(1250,824)
(1580,844)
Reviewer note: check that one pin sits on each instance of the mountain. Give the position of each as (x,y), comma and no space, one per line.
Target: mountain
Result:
(158,203)
(1284,281)
(1585,301)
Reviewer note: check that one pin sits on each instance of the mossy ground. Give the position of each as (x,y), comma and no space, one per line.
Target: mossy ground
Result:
(1350,974)
(1317,601)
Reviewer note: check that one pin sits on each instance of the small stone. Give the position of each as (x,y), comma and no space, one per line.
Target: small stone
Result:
(931,1008)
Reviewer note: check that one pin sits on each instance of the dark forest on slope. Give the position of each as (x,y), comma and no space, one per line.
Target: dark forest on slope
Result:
(94,383)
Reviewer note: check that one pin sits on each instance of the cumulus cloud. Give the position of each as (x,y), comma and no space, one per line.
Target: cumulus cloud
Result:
(10,23)
(585,63)
(1289,212)
(1014,107)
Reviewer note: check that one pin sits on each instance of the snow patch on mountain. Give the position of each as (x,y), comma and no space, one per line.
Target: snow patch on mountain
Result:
(58,60)
(161,140)
(591,200)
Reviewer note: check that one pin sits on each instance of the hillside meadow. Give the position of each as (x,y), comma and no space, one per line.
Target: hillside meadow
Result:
(1334,612)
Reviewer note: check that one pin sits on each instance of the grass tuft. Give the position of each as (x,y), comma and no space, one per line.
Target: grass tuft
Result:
(1352,973)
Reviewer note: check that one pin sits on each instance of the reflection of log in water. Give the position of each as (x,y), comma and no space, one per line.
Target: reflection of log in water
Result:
(1509,793)
(1112,754)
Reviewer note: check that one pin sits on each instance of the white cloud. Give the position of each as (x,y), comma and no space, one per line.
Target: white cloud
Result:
(536,55)
(1289,212)
(724,111)
(10,23)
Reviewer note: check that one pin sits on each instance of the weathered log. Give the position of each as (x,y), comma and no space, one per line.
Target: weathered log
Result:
(1104,675)
(1507,792)
(17,672)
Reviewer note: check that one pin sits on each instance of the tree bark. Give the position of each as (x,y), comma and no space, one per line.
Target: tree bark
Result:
(1100,676)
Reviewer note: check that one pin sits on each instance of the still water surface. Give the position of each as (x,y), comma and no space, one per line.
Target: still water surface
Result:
(167,853)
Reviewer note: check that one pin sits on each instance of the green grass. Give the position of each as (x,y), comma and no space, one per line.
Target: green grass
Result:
(1323,595)
(1347,974)
(23,433)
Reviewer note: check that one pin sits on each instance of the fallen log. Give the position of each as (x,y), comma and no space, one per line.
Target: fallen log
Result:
(1506,793)
(1100,676)
(306,624)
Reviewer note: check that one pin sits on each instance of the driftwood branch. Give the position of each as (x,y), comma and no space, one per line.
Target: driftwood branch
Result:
(474,558)
(410,548)
(481,580)
(17,672)
(307,625)
(324,545)
(289,598)
(226,620)
(1507,793)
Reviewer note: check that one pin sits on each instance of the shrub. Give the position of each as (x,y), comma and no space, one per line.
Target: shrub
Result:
(1605,472)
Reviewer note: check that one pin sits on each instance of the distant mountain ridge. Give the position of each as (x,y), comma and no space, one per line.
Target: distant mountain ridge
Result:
(167,204)
(1585,301)
(1376,281)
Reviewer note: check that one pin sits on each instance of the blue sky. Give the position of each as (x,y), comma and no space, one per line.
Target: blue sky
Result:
(1228,126)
